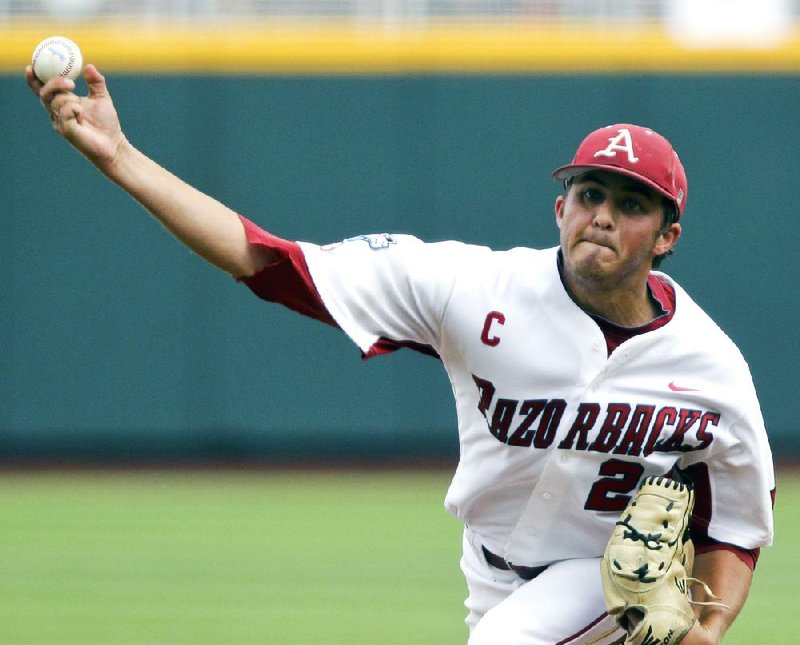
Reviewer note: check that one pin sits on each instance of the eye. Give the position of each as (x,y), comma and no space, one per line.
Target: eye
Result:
(592,195)
(632,205)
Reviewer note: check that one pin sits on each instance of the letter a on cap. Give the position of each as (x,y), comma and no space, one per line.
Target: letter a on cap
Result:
(621,142)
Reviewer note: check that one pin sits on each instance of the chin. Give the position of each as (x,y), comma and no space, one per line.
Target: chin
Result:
(593,261)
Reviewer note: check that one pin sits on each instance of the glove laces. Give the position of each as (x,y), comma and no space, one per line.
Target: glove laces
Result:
(705,603)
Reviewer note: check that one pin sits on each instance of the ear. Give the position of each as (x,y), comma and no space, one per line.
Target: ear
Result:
(667,239)
(559,208)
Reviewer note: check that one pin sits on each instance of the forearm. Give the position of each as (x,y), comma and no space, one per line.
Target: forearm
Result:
(206,226)
(90,123)
(729,578)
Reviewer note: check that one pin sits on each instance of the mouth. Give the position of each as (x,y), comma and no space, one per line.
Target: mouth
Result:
(600,243)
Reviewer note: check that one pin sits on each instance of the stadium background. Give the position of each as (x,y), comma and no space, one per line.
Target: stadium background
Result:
(323,120)
(118,344)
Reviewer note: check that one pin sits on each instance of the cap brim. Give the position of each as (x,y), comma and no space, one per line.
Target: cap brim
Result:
(569,171)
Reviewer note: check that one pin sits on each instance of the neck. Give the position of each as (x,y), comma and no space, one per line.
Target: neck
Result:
(621,309)
(626,303)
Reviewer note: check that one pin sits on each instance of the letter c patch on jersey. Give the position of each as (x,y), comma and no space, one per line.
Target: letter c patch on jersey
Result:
(622,143)
(488,335)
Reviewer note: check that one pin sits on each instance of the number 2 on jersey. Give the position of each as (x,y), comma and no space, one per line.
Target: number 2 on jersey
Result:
(614,490)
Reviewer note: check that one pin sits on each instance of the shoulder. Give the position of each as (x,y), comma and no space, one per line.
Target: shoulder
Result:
(402,247)
(696,331)
(395,244)
(518,269)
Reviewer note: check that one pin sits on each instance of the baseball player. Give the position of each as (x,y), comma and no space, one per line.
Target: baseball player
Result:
(578,373)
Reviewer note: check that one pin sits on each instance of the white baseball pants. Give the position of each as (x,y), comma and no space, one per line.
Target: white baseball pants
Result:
(562,605)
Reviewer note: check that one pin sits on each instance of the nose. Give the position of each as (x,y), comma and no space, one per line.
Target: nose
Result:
(604,215)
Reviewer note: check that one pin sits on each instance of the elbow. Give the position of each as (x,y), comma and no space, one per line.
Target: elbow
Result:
(255,259)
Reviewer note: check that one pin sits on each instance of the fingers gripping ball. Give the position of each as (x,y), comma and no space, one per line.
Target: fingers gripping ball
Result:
(647,564)
(56,56)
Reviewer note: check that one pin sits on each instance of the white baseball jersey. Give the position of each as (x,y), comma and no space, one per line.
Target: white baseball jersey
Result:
(555,434)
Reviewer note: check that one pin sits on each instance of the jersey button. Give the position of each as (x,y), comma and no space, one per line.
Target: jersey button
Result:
(547,496)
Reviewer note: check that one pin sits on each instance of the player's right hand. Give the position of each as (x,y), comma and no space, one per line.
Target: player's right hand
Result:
(89,123)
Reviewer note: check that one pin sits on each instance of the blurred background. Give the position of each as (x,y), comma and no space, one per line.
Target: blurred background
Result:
(323,119)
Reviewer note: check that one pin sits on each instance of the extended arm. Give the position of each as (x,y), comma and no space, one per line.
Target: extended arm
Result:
(202,223)
(729,578)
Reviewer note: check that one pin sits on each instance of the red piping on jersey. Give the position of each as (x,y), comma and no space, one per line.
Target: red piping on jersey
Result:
(387,345)
(571,639)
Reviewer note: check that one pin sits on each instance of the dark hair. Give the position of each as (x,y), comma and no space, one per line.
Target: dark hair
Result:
(671,216)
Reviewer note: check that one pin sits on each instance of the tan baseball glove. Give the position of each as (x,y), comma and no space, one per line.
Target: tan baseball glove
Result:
(648,562)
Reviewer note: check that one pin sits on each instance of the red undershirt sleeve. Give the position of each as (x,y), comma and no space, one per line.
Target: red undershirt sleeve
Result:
(286,281)
(748,556)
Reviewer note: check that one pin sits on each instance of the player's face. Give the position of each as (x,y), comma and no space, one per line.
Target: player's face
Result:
(611,228)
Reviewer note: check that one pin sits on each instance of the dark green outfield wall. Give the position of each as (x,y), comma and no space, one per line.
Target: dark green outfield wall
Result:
(117,342)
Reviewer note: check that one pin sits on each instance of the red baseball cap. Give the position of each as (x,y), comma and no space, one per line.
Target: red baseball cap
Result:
(634,151)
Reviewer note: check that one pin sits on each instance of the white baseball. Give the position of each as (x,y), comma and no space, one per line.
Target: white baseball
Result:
(56,56)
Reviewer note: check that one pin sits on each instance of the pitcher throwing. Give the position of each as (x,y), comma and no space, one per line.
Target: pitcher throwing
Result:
(578,372)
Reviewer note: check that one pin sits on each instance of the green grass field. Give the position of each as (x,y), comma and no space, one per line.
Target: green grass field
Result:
(297,557)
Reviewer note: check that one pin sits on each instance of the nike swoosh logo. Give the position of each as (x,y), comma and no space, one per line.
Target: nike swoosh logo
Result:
(678,388)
